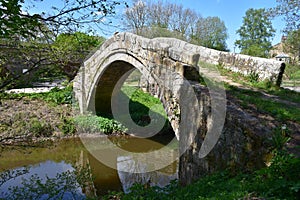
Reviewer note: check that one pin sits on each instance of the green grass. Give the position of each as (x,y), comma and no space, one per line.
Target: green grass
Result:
(97,124)
(292,72)
(262,95)
(280,111)
(141,103)
(56,96)
(279,181)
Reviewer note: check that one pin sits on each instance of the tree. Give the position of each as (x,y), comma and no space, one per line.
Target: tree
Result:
(210,32)
(62,57)
(173,18)
(292,44)
(69,50)
(136,17)
(290,10)
(255,33)
(182,20)
(70,17)
(27,38)
(160,14)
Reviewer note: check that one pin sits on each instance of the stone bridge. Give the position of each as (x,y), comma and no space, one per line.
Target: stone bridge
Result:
(210,137)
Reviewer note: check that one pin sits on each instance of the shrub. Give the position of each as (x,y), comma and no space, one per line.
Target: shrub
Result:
(40,128)
(67,126)
(96,124)
(253,77)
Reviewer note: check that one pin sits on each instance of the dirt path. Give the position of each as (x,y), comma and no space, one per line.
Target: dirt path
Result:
(265,95)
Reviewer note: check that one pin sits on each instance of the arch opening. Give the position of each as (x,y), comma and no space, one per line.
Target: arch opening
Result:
(108,87)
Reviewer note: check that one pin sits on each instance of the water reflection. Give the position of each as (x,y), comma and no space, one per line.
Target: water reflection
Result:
(24,184)
(64,155)
(159,178)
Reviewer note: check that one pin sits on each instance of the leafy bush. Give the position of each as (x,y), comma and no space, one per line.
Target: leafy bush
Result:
(253,77)
(95,124)
(292,72)
(67,126)
(280,138)
(40,128)
(60,96)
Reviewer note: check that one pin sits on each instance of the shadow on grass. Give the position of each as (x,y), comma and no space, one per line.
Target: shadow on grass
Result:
(139,108)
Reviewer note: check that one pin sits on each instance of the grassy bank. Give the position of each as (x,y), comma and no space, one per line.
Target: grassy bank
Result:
(262,96)
(26,117)
(281,180)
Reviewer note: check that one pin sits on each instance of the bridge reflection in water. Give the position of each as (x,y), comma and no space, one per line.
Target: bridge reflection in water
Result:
(159,178)
(126,169)
(63,155)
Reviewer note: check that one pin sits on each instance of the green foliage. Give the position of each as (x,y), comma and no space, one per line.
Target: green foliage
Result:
(292,43)
(76,42)
(67,126)
(279,181)
(40,128)
(59,96)
(63,186)
(210,32)
(96,124)
(14,23)
(278,110)
(280,137)
(255,33)
(292,72)
(56,95)
(69,50)
(253,77)
(291,12)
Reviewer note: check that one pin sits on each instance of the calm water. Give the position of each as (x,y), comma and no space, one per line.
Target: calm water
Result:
(20,164)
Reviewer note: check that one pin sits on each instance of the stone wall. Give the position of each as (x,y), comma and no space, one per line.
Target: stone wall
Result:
(244,64)
(243,145)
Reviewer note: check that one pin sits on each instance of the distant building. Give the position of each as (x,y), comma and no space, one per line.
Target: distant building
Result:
(279,51)
(283,57)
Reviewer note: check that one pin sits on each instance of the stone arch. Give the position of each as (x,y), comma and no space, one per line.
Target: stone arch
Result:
(108,73)
(154,58)
(115,67)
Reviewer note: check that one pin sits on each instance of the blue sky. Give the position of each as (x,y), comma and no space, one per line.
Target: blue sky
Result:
(230,11)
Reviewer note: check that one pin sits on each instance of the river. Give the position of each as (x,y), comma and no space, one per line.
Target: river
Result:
(22,168)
